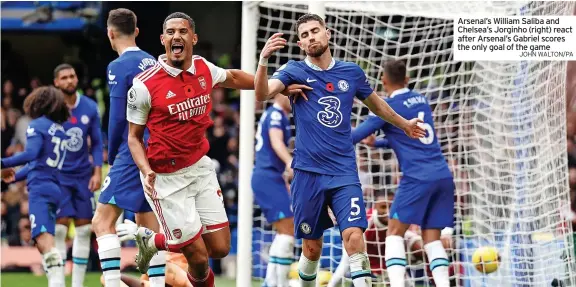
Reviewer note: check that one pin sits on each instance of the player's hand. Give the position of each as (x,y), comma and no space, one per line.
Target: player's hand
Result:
(289,172)
(446,241)
(95,182)
(414,130)
(8,175)
(274,43)
(149,183)
(126,230)
(370,140)
(296,90)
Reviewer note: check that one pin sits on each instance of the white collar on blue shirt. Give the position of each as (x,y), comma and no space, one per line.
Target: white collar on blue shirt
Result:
(399,92)
(130,49)
(314,67)
(78,95)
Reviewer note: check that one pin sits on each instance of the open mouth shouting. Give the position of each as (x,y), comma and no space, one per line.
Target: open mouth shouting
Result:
(177,48)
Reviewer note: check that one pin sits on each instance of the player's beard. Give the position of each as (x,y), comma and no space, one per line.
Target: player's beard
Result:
(317,50)
(69,92)
(177,63)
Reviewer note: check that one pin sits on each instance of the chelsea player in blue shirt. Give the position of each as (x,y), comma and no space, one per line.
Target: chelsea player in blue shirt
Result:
(79,177)
(425,196)
(325,172)
(45,153)
(122,187)
(269,187)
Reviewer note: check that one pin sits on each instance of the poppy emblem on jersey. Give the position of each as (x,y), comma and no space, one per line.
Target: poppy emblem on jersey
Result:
(189,91)
(305,227)
(177,233)
(202,82)
(330,87)
(343,85)
(73,119)
(219,192)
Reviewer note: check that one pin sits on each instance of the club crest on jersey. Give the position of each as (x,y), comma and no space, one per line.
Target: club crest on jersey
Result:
(177,233)
(305,227)
(343,85)
(202,82)
(85,119)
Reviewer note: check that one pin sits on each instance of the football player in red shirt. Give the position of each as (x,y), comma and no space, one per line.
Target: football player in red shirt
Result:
(172,99)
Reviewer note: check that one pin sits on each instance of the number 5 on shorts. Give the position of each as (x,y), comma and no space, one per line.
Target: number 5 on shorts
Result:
(354,208)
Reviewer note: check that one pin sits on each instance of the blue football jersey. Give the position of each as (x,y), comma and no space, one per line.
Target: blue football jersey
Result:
(121,72)
(266,157)
(84,122)
(323,131)
(45,151)
(421,159)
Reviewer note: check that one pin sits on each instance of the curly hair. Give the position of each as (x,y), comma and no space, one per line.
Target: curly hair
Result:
(49,102)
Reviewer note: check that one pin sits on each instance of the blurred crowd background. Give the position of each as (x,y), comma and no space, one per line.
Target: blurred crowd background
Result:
(26,66)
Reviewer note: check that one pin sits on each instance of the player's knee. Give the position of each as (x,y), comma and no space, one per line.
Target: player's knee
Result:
(103,223)
(353,239)
(312,249)
(397,228)
(220,251)
(285,226)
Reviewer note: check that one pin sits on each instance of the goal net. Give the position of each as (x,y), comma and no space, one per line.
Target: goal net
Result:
(501,125)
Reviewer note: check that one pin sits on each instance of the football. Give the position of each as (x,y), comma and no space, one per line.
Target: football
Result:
(486,259)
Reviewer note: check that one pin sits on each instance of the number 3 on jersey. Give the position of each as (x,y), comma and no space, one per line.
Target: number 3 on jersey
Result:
(429,138)
(59,152)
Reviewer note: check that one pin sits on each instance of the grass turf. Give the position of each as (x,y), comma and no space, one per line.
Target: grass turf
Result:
(92,280)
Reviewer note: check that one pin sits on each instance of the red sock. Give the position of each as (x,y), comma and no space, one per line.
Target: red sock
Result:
(208,281)
(160,241)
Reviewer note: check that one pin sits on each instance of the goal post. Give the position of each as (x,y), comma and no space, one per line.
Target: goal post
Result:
(501,125)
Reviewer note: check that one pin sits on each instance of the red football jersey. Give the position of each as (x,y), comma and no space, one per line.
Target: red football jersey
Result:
(175,106)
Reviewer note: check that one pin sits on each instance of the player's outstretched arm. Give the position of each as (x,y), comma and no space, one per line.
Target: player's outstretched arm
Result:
(366,128)
(380,108)
(238,79)
(32,151)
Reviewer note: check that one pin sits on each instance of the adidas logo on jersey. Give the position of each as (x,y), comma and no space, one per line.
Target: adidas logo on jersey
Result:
(170,95)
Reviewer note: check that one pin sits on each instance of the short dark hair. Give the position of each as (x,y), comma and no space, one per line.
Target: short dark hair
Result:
(47,101)
(179,15)
(309,17)
(396,71)
(124,20)
(60,68)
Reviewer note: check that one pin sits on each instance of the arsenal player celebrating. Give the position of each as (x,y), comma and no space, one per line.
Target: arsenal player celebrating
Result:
(172,100)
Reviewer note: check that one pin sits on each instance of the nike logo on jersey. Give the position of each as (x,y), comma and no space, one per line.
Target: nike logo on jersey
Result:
(310,80)
(170,95)
(350,219)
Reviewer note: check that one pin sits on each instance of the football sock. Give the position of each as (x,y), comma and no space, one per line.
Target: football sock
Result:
(284,256)
(307,270)
(109,253)
(438,263)
(60,240)
(395,260)
(80,254)
(157,270)
(53,264)
(271,280)
(208,281)
(360,270)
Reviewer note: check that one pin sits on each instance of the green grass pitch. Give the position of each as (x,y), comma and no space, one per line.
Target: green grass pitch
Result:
(92,280)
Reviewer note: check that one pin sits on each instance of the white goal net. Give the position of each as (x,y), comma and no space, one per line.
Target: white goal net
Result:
(501,125)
